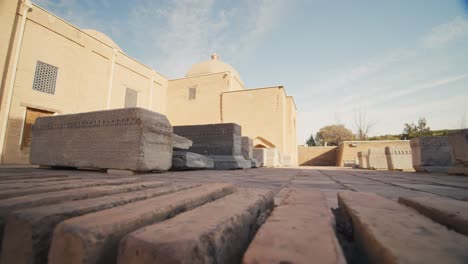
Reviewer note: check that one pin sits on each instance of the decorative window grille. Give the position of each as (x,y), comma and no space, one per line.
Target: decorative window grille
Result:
(131,97)
(45,78)
(192,93)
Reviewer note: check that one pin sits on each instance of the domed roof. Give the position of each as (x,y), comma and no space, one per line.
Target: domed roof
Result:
(102,37)
(212,66)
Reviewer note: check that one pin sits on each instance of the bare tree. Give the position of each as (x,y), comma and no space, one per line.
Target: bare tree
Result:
(362,124)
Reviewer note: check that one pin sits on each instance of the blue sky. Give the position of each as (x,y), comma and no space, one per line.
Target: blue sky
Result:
(395,61)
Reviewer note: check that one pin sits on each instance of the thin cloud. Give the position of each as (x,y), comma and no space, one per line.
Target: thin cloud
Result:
(443,34)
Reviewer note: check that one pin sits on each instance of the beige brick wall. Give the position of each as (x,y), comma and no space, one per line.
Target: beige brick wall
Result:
(317,156)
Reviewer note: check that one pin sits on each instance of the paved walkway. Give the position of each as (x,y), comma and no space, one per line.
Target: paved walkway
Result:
(266,215)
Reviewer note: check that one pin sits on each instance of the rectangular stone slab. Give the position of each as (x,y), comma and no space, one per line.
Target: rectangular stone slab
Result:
(41,199)
(388,232)
(94,238)
(376,159)
(429,152)
(64,186)
(247,148)
(362,157)
(184,160)
(449,212)
(459,143)
(298,231)
(127,139)
(217,232)
(399,158)
(213,139)
(179,142)
(28,232)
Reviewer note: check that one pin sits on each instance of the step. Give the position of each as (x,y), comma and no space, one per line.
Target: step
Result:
(28,232)
(449,212)
(388,232)
(4,194)
(94,238)
(33,185)
(299,230)
(217,232)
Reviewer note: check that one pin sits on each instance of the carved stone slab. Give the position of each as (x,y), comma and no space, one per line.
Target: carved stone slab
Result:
(184,160)
(431,154)
(126,139)
(377,159)
(399,158)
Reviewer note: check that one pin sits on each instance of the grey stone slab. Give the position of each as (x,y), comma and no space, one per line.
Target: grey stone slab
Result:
(127,139)
(430,152)
(247,148)
(459,143)
(179,142)
(224,162)
(213,139)
(399,158)
(184,160)
(377,159)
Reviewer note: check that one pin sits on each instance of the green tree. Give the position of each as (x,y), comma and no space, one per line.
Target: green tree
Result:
(412,130)
(311,141)
(333,135)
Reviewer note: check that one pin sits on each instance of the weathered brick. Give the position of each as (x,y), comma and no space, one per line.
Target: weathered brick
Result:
(388,232)
(217,232)
(298,231)
(16,203)
(28,232)
(94,238)
(65,186)
(448,212)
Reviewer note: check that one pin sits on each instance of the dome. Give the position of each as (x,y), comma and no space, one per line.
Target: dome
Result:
(212,66)
(102,37)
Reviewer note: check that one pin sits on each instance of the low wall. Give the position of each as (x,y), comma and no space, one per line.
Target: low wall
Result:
(317,156)
(347,151)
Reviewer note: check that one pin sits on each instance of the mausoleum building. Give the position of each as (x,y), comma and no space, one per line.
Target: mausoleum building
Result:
(51,67)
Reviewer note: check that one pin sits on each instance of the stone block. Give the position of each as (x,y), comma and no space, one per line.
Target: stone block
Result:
(449,212)
(362,158)
(28,232)
(255,163)
(247,148)
(126,139)
(269,157)
(220,142)
(179,142)
(94,238)
(184,160)
(288,236)
(217,232)
(399,158)
(431,154)
(377,159)
(387,232)
(459,143)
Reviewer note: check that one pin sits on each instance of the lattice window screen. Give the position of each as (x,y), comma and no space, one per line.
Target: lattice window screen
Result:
(192,93)
(131,98)
(45,78)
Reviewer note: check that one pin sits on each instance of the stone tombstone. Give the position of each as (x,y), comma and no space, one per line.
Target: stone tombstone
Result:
(399,158)
(459,144)
(220,142)
(377,159)
(431,154)
(362,157)
(247,148)
(184,160)
(269,157)
(179,142)
(133,139)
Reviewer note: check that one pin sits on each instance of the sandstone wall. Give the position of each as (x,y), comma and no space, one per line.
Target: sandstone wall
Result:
(317,156)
